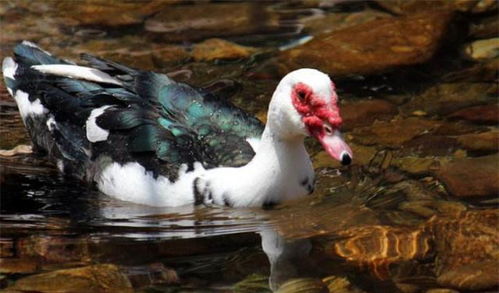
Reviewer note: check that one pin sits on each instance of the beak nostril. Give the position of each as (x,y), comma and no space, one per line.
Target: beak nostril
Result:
(328,129)
(346,159)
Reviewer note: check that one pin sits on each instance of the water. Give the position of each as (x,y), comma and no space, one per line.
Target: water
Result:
(403,218)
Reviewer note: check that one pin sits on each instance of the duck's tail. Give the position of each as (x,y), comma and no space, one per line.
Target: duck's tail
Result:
(26,55)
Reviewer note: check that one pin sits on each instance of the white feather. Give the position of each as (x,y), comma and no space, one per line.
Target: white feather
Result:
(131,182)
(78,72)
(254,142)
(30,44)
(9,67)
(94,132)
(27,108)
(50,123)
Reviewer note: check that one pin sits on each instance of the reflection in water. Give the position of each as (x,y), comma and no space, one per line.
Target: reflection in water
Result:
(285,256)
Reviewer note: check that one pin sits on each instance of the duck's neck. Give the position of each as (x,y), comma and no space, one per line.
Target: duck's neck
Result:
(280,170)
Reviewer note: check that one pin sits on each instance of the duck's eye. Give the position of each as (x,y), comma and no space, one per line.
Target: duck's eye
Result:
(328,129)
(301,95)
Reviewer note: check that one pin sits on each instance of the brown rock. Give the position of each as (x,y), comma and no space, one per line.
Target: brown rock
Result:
(133,51)
(303,285)
(431,145)
(364,112)
(379,246)
(488,114)
(340,20)
(338,284)
(482,49)
(414,6)
(481,142)
(194,22)
(18,265)
(417,165)
(111,13)
(213,49)
(486,71)
(395,132)
(486,28)
(54,249)
(471,177)
(450,97)
(374,46)
(96,278)
(467,246)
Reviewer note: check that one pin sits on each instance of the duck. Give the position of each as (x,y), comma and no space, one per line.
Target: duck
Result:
(142,137)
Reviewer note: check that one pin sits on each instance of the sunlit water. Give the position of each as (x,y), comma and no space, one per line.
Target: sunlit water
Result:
(360,221)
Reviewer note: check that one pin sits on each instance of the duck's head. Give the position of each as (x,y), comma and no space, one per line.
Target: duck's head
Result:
(305,103)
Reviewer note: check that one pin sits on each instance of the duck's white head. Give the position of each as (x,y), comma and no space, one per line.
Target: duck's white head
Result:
(305,103)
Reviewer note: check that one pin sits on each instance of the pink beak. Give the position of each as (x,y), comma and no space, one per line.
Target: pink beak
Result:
(336,147)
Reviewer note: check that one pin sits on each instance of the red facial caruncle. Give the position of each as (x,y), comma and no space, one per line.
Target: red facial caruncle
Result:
(314,109)
(322,118)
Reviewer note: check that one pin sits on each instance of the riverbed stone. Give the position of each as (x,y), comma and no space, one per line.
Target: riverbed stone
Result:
(484,114)
(374,46)
(471,177)
(310,285)
(449,97)
(336,21)
(213,49)
(482,49)
(24,265)
(431,145)
(412,6)
(111,13)
(364,112)
(337,284)
(95,278)
(193,22)
(394,133)
(486,27)
(417,165)
(480,142)
(467,249)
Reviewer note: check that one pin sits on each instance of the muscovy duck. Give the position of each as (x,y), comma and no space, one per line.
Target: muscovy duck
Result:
(144,138)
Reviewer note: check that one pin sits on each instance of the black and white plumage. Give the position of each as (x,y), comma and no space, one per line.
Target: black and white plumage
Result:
(142,137)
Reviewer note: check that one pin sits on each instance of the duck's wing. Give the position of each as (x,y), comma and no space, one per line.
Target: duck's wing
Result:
(108,110)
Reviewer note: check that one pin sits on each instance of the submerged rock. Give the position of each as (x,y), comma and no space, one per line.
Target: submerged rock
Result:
(449,97)
(394,133)
(18,150)
(341,20)
(96,278)
(379,246)
(303,285)
(483,49)
(471,177)
(485,28)
(411,6)
(253,283)
(111,13)
(374,46)
(213,49)
(480,142)
(486,114)
(194,22)
(463,245)
(365,112)
(18,265)
(336,284)
(467,247)
(417,165)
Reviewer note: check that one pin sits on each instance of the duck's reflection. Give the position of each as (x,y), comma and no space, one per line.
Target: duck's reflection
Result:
(285,256)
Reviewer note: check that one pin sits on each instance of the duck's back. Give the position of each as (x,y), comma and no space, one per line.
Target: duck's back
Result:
(104,117)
